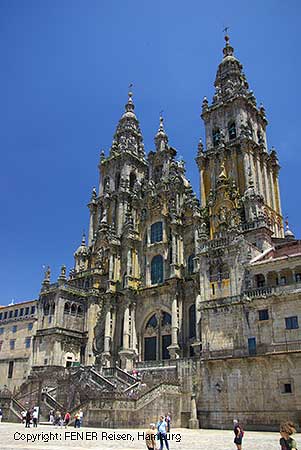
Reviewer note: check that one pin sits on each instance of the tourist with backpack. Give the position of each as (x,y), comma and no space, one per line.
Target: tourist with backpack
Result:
(286,441)
(239,434)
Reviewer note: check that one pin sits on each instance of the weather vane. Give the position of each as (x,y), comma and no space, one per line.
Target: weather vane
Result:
(130,85)
(225,30)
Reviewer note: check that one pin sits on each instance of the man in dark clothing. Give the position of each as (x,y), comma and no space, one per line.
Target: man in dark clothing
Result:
(238,431)
(27,419)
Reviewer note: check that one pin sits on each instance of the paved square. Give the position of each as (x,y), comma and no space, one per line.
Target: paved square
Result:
(15,436)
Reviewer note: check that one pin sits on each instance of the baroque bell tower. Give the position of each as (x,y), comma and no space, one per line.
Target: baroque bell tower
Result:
(237,158)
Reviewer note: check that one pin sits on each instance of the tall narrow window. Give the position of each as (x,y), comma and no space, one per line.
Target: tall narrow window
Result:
(156,232)
(157,269)
(232,130)
(12,344)
(132,179)
(117,181)
(192,321)
(190,264)
(252,346)
(216,137)
(10,369)
(27,342)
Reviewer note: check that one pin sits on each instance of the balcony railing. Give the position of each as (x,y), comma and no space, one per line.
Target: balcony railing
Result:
(261,349)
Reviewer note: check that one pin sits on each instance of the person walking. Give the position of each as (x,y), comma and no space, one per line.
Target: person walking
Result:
(150,436)
(27,419)
(1,415)
(35,418)
(162,427)
(239,434)
(286,441)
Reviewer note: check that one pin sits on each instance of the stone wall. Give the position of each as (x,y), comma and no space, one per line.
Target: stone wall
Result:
(251,389)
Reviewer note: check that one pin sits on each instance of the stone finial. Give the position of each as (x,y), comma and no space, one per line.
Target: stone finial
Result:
(129,107)
(63,273)
(47,274)
(205,104)
(200,146)
(46,281)
(228,50)
(161,138)
(102,154)
(94,194)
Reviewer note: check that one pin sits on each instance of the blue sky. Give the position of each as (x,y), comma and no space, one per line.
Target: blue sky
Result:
(65,69)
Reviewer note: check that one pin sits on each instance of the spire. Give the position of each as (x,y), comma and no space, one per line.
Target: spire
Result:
(129,107)
(128,136)
(161,138)
(230,81)
(288,234)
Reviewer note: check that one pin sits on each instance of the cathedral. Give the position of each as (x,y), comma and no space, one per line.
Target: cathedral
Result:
(201,297)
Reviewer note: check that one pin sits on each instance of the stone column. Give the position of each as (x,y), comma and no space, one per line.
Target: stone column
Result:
(126,354)
(193,422)
(259,174)
(266,182)
(174,347)
(129,262)
(134,333)
(91,225)
(196,345)
(273,202)
(107,332)
(126,331)
(111,267)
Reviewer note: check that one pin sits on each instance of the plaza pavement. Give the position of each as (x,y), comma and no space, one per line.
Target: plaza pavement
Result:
(14,436)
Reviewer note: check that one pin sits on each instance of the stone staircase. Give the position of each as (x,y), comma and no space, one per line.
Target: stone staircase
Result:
(109,397)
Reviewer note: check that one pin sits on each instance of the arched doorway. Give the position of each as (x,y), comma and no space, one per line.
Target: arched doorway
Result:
(157,337)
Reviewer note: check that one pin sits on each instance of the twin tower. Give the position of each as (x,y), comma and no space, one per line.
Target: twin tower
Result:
(139,280)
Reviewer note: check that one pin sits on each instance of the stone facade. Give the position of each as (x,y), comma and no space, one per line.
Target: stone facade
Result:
(207,291)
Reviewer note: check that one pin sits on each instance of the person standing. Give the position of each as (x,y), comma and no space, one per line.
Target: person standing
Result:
(81,418)
(27,419)
(162,427)
(67,419)
(168,419)
(286,441)
(1,415)
(76,420)
(150,436)
(35,418)
(239,434)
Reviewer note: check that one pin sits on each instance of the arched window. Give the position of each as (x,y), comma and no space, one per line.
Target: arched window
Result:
(190,264)
(192,321)
(157,269)
(156,232)
(67,308)
(166,319)
(46,309)
(73,309)
(117,181)
(216,137)
(80,310)
(232,130)
(152,322)
(132,179)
